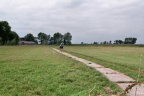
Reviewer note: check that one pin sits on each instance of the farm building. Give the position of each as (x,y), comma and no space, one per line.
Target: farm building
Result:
(26,43)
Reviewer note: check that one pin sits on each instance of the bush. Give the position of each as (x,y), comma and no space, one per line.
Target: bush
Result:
(0,40)
(12,42)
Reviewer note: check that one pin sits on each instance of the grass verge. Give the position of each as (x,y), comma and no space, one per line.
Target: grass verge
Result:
(123,59)
(40,71)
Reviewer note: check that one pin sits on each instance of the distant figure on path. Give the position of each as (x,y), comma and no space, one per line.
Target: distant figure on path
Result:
(61,47)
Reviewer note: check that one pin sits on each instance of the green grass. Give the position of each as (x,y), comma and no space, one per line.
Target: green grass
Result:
(125,59)
(40,71)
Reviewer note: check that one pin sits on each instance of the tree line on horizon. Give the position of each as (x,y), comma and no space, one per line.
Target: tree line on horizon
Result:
(43,38)
(127,40)
(9,37)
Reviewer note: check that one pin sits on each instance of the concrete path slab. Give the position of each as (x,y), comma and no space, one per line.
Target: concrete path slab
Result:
(119,78)
(137,90)
(107,70)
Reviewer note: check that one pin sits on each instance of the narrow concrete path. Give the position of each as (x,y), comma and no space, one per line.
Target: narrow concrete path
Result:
(119,78)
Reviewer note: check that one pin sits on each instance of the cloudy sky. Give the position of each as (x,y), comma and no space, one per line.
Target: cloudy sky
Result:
(86,20)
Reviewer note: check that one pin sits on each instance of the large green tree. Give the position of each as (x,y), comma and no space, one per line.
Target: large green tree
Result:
(58,38)
(13,37)
(44,38)
(5,29)
(134,40)
(67,38)
(51,40)
(130,40)
(118,41)
(29,37)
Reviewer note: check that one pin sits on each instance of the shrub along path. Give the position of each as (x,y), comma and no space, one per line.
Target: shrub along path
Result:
(129,85)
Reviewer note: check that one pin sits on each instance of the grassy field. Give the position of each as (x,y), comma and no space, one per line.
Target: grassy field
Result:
(122,58)
(40,71)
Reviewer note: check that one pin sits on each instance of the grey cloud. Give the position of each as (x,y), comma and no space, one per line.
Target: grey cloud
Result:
(87,21)
(76,3)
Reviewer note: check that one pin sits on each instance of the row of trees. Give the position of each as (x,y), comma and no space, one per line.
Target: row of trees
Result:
(11,38)
(43,38)
(126,41)
(58,38)
(6,35)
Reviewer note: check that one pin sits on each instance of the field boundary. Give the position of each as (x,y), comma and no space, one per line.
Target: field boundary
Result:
(126,83)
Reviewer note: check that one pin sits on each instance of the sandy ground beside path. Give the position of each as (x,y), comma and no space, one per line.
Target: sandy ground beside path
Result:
(122,80)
